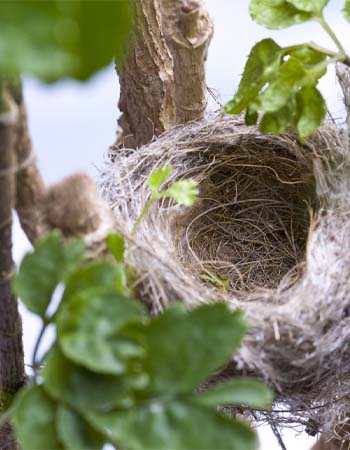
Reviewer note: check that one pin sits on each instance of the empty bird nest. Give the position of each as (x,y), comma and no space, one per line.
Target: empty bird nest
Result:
(270,234)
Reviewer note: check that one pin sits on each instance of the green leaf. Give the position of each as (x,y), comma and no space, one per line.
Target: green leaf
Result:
(93,274)
(278,121)
(314,6)
(74,432)
(158,177)
(289,78)
(275,14)
(346,10)
(42,270)
(175,425)
(81,389)
(184,350)
(238,392)
(312,110)
(116,245)
(57,39)
(262,64)
(308,56)
(87,327)
(251,117)
(34,420)
(184,192)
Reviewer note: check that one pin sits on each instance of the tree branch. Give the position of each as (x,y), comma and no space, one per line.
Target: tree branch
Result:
(147,99)
(188,30)
(31,189)
(11,348)
(72,205)
(162,80)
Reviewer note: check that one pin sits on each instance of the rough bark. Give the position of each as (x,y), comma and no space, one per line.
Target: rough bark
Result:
(188,30)
(11,348)
(30,184)
(147,87)
(162,79)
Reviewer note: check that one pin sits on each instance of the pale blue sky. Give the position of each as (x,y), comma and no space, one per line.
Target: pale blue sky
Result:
(73,124)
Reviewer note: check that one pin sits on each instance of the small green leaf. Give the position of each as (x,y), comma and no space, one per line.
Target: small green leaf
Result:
(346,10)
(262,64)
(312,111)
(184,192)
(81,389)
(74,432)
(209,275)
(175,424)
(158,177)
(87,327)
(275,14)
(34,420)
(238,392)
(183,350)
(116,245)
(41,271)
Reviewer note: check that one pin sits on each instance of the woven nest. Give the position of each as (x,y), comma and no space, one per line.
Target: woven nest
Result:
(270,234)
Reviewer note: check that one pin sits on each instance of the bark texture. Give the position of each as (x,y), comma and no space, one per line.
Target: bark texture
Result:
(11,348)
(162,79)
(147,87)
(30,184)
(188,30)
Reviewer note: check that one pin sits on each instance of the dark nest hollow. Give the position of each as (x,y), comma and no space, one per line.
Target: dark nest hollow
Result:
(270,234)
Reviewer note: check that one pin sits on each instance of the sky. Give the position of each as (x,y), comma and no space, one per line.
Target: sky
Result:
(73,124)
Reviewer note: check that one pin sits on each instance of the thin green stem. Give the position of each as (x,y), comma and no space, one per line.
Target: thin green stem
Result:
(142,215)
(311,45)
(331,34)
(35,362)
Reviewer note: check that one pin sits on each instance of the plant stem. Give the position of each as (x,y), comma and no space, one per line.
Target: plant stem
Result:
(36,363)
(142,215)
(331,34)
(311,45)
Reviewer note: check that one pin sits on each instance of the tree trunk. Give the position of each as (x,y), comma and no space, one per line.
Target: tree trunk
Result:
(162,79)
(11,349)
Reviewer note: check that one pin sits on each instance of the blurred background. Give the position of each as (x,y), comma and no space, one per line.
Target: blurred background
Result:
(73,124)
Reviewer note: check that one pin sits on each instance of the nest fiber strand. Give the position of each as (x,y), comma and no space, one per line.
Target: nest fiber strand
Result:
(270,234)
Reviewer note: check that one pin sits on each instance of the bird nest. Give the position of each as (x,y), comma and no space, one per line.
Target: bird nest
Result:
(270,234)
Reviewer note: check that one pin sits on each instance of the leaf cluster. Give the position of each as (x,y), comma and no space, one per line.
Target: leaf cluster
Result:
(183,192)
(115,374)
(281,82)
(56,39)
